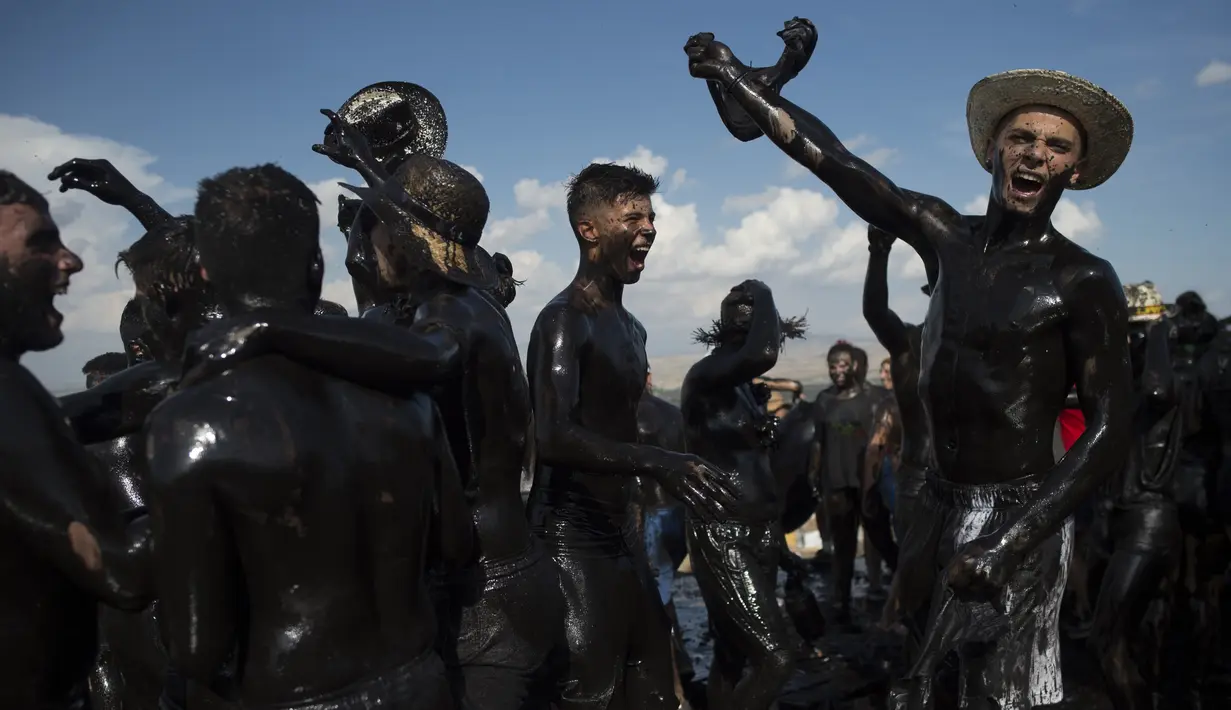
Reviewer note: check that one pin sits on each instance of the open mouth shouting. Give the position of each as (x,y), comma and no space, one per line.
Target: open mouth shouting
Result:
(1025,185)
(637,254)
(54,317)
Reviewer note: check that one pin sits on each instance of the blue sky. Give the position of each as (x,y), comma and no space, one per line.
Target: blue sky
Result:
(534,90)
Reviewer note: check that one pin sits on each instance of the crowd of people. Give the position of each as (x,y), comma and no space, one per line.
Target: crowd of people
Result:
(266,503)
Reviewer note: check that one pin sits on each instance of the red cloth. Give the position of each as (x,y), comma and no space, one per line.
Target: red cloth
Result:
(1072,424)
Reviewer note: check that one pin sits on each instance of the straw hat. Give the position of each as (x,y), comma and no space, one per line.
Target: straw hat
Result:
(398,119)
(443,210)
(1145,303)
(1107,125)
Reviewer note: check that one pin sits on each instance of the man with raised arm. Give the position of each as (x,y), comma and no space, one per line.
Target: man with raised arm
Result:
(912,582)
(1018,315)
(587,367)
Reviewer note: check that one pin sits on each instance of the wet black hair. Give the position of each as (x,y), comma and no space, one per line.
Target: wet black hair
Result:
(107,363)
(792,328)
(258,234)
(15,191)
(329,308)
(506,291)
(600,184)
(842,346)
(164,261)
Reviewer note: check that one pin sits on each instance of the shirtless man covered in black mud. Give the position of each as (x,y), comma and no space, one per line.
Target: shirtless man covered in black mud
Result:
(915,576)
(844,415)
(505,635)
(587,368)
(1144,522)
(1019,314)
(295,514)
(174,301)
(66,536)
(736,561)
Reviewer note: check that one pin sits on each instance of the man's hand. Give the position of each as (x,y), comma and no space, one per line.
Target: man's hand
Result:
(348,209)
(346,146)
(879,240)
(712,60)
(213,350)
(981,569)
(97,177)
(705,489)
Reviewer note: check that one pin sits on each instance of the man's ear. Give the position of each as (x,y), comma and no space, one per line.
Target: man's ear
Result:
(587,231)
(1076,174)
(204,274)
(989,152)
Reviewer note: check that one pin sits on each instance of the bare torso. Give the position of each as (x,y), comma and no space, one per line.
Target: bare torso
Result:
(995,364)
(324,494)
(487,412)
(611,364)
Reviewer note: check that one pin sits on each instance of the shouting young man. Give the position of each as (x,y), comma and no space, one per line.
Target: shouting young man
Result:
(587,368)
(64,545)
(1018,315)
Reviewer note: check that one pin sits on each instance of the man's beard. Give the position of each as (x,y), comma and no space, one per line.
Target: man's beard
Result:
(26,310)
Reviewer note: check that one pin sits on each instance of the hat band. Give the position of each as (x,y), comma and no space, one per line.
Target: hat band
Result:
(1149,310)
(444,227)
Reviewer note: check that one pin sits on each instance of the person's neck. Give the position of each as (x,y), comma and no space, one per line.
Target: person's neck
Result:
(597,281)
(251,303)
(10,351)
(1003,227)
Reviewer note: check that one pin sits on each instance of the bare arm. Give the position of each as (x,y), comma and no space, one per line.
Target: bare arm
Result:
(757,355)
(915,218)
(118,405)
(556,344)
(1097,346)
(455,522)
(101,179)
(1158,376)
(57,499)
(886,325)
(194,557)
(387,358)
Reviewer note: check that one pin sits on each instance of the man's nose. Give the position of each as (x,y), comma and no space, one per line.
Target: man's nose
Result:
(69,262)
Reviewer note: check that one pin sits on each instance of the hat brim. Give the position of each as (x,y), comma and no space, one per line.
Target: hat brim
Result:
(398,119)
(468,266)
(1107,124)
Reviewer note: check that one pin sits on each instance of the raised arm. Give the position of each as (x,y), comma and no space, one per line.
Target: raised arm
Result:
(886,325)
(916,219)
(1096,340)
(101,179)
(757,355)
(58,501)
(556,343)
(387,358)
(118,405)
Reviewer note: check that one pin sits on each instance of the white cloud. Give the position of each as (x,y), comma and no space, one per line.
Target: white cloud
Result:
(679,179)
(473,171)
(641,158)
(1216,72)
(98,231)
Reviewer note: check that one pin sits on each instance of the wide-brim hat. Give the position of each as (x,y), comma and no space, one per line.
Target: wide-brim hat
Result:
(1144,302)
(398,119)
(1105,122)
(434,238)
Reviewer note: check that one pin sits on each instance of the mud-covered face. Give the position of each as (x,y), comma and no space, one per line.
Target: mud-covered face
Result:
(736,311)
(35,267)
(886,376)
(1035,156)
(621,235)
(841,369)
